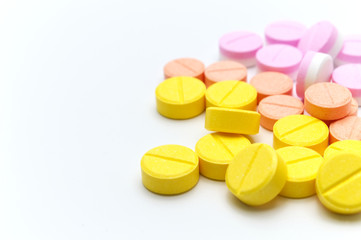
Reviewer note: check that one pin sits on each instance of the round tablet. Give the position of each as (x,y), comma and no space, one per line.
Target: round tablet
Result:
(302,167)
(216,151)
(349,75)
(256,175)
(354,108)
(170,169)
(350,51)
(284,32)
(345,128)
(180,97)
(225,70)
(241,46)
(343,146)
(189,67)
(321,37)
(275,107)
(232,120)
(271,83)
(279,58)
(315,67)
(232,94)
(301,130)
(328,101)
(338,183)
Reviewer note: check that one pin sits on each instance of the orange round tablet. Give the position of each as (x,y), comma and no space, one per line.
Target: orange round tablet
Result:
(275,107)
(188,67)
(354,108)
(345,129)
(271,83)
(224,70)
(328,101)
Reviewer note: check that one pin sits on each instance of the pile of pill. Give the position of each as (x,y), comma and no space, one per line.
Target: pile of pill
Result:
(310,105)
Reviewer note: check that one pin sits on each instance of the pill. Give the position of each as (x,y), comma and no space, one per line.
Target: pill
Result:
(345,128)
(321,37)
(170,169)
(354,108)
(232,94)
(302,167)
(256,175)
(189,67)
(300,130)
(343,146)
(338,183)
(279,58)
(275,107)
(349,76)
(216,151)
(232,120)
(271,83)
(350,51)
(284,32)
(328,101)
(225,70)
(240,46)
(315,67)
(180,97)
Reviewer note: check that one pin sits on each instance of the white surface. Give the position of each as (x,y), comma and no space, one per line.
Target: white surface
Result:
(77,112)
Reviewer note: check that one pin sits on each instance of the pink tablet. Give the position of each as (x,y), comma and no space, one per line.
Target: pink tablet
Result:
(284,32)
(240,46)
(315,67)
(350,52)
(279,58)
(349,75)
(321,37)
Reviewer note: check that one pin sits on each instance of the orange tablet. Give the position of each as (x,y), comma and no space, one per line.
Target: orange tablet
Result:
(346,128)
(188,67)
(224,70)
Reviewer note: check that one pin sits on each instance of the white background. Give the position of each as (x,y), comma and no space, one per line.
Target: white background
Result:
(77,112)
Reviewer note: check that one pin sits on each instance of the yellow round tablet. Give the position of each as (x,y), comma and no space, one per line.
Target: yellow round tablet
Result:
(232,94)
(232,120)
(344,146)
(338,183)
(302,167)
(256,175)
(170,169)
(216,151)
(300,130)
(180,97)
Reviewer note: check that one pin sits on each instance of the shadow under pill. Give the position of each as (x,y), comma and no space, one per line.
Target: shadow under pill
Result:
(340,218)
(244,207)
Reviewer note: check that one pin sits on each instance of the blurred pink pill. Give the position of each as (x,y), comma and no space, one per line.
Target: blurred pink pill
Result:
(284,32)
(350,51)
(349,76)
(315,67)
(321,37)
(240,46)
(279,58)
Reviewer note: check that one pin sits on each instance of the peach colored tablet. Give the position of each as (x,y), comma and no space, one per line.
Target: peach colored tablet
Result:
(271,83)
(346,128)
(328,101)
(225,70)
(353,112)
(275,107)
(188,67)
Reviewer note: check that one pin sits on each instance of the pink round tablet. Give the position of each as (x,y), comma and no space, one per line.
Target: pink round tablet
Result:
(349,76)
(350,51)
(284,32)
(241,46)
(315,67)
(321,37)
(279,58)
